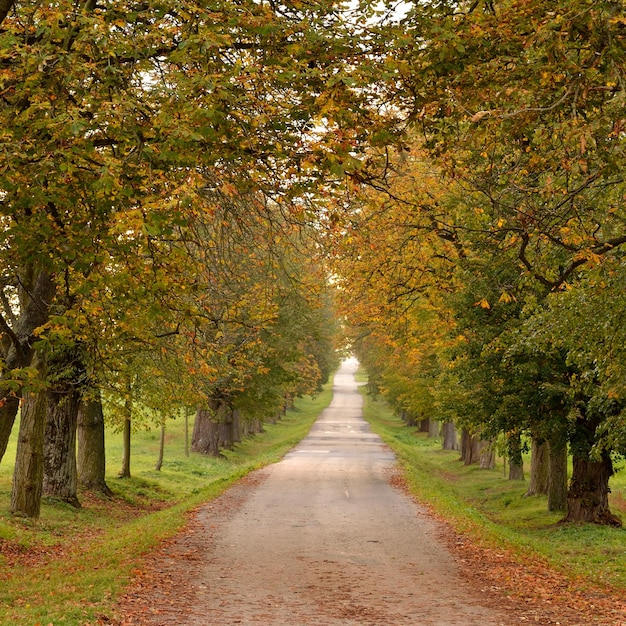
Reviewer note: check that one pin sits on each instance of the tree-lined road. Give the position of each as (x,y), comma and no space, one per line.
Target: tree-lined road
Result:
(321,538)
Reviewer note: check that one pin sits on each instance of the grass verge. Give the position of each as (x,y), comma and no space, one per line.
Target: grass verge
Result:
(68,567)
(494,511)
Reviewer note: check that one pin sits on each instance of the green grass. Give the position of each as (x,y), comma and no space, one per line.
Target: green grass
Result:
(68,567)
(495,511)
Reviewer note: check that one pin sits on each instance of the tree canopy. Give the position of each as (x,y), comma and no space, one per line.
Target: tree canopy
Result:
(501,224)
(169,176)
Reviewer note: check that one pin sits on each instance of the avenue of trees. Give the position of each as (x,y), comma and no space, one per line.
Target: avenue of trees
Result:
(157,192)
(169,174)
(485,283)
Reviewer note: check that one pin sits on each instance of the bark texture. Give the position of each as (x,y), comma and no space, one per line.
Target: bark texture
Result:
(470,448)
(35,296)
(126,438)
(588,495)
(252,427)
(213,428)
(539,466)
(60,472)
(557,475)
(28,472)
(433,428)
(450,441)
(516,464)
(91,458)
(486,455)
(8,413)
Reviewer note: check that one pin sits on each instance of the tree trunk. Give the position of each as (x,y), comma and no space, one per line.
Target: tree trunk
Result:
(557,475)
(470,448)
(588,495)
(486,455)
(91,458)
(539,466)
(28,472)
(9,406)
(159,463)
(126,437)
(408,418)
(212,429)
(516,463)
(206,437)
(466,446)
(449,436)
(35,293)
(187,411)
(60,475)
(252,427)
(433,429)
(425,425)
(236,428)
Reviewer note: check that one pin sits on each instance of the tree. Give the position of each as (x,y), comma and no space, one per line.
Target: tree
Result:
(28,473)
(120,121)
(520,110)
(66,377)
(592,348)
(91,459)
(272,328)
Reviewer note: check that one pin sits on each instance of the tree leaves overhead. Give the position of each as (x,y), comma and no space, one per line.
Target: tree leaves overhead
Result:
(523,107)
(503,218)
(126,125)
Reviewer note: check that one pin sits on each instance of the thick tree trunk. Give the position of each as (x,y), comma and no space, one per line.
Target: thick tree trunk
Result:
(28,472)
(60,475)
(470,447)
(449,436)
(206,434)
(425,425)
(252,427)
(236,426)
(466,446)
(433,428)
(36,293)
(486,455)
(226,432)
(516,463)
(91,458)
(588,495)
(212,429)
(557,475)
(539,466)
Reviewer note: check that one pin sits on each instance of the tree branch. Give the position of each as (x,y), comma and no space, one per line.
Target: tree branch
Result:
(7,308)
(4,327)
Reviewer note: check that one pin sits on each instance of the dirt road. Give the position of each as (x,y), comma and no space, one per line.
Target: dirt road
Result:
(320,538)
(324,538)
